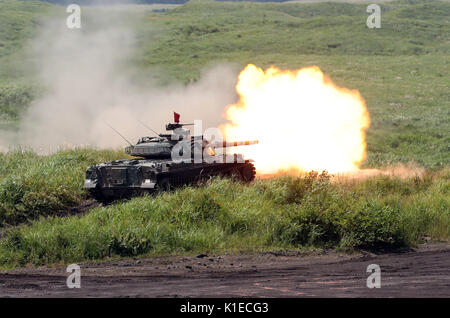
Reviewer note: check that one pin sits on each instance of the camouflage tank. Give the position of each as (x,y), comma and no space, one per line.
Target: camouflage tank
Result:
(154,167)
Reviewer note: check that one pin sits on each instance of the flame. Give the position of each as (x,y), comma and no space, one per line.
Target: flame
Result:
(303,121)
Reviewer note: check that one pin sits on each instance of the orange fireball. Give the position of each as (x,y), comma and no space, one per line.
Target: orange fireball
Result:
(303,121)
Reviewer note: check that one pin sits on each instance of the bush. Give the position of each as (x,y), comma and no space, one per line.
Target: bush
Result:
(15,98)
(373,225)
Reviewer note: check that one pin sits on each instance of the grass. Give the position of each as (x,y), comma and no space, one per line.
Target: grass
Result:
(283,213)
(33,186)
(280,34)
(19,23)
(399,69)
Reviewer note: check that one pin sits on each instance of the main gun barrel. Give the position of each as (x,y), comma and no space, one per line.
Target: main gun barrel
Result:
(224,144)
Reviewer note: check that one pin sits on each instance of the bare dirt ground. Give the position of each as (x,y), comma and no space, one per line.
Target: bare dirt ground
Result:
(424,272)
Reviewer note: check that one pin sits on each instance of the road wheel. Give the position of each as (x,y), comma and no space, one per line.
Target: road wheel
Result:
(235,174)
(100,196)
(248,172)
(165,185)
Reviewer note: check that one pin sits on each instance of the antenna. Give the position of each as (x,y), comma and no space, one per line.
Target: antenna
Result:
(148,128)
(118,133)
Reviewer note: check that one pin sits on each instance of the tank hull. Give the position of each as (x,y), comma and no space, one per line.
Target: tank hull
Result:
(126,178)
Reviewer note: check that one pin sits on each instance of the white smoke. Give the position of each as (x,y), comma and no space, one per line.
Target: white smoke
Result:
(89,80)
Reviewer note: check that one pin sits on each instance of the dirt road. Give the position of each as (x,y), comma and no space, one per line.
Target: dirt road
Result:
(424,272)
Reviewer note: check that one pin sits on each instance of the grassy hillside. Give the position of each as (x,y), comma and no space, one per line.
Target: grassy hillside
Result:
(401,69)
(19,22)
(33,186)
(281,34)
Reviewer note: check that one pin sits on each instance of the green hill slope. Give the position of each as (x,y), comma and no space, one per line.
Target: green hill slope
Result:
(19,22)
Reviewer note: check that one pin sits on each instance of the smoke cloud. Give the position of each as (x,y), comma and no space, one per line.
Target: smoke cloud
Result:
(88,81)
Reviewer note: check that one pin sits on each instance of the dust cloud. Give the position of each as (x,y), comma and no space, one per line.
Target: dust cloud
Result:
(397,170)
(88,79)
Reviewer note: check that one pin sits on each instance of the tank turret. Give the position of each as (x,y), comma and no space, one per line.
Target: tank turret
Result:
(161,147)
(154,167)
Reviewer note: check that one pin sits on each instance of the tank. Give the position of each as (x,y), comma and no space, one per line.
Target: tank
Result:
(167,161)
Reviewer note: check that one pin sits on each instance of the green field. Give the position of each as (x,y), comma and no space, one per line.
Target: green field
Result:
(401,70)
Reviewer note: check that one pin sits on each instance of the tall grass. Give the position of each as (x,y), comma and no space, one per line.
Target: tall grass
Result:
(287,212)
(33,185)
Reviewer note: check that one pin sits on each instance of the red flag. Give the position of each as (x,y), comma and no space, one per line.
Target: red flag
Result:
(176,117)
